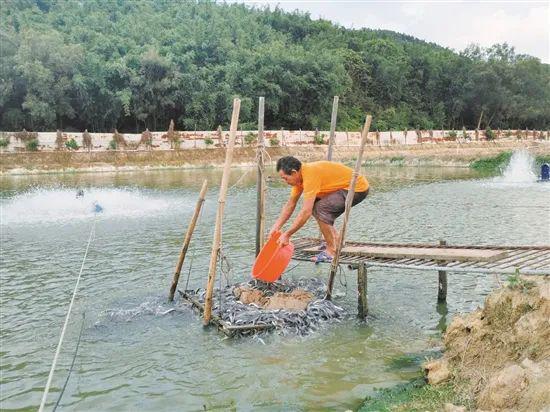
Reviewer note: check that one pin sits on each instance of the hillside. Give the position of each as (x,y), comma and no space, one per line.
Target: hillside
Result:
(98,65)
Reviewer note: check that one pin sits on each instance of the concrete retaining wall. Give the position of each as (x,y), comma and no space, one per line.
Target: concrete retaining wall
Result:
(198,140)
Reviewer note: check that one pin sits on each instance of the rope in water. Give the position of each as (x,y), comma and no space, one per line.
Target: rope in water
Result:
(50,376)
(72,363)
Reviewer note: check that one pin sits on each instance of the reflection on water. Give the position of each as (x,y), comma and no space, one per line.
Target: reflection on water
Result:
(140,352)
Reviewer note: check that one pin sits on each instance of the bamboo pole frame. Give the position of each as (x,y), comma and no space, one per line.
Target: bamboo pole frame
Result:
(332,137)
(223,326)
(349,201)
(260,182)
(219,214)
(187,240)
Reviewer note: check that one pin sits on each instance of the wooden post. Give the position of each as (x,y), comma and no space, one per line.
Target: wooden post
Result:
(442,281)
(362,300)
(349,201)
(187,240)
(219,214)
(260,182)
(332,136)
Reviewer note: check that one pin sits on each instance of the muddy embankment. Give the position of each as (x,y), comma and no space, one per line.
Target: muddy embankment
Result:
(498,358)
(440,154)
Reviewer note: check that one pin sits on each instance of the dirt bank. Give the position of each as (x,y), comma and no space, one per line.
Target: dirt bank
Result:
(498,358)
(441,154)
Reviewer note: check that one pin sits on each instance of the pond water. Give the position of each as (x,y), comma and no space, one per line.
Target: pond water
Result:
(136,354)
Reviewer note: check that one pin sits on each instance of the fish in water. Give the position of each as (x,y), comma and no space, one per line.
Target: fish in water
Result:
(234,312)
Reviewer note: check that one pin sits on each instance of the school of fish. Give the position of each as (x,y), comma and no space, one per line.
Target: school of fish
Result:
(234,312)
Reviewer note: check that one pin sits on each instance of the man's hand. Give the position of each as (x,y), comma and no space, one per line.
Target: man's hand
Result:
(272,231)
(283,239)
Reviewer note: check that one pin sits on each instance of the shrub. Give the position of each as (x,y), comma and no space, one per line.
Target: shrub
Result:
(119,139)
(175,141)
(452,135)
(113,145)
(465,134)
(492,164)
(173,136)
(71,144)
(208,141)
(489,134)
(32,145)
(319,139)
(249,138)
(4,142)
(86,140)
(146,138)
(273,141)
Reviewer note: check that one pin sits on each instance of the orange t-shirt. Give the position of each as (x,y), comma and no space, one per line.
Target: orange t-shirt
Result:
(324,177)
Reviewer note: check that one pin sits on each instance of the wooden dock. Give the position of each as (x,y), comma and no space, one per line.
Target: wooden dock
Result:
(528,260)
(443,258)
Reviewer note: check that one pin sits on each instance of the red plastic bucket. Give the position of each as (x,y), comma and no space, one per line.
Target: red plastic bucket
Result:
(272,260)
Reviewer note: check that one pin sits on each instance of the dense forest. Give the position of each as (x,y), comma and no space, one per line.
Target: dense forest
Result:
(132,64)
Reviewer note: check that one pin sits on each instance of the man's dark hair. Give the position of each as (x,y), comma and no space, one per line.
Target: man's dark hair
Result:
(288,164)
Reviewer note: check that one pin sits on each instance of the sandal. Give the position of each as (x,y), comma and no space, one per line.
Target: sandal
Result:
(322,257)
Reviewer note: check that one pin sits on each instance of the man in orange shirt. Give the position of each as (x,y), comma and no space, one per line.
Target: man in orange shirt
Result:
(325,186)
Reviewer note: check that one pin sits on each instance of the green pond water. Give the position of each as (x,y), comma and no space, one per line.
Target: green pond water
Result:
(135,354)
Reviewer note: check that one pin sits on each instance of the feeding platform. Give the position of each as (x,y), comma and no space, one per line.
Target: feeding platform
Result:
(528,260)
(289,307)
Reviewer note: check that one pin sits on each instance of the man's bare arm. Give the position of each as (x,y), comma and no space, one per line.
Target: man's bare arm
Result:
(286,212)
(302,217)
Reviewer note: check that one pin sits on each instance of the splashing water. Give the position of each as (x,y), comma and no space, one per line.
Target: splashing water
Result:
(519,170)
(151,307)
(45,205)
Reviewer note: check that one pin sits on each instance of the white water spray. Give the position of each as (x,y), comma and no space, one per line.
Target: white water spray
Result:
(61,205)
(519,170)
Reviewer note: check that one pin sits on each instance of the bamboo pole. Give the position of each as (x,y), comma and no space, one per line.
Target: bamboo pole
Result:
(332,127)
(442,281)
(187,240)
(260,182)
(349,201)
(219,214)
(362,297)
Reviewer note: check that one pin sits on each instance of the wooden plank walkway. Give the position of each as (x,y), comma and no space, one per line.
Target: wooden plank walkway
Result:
(530,260)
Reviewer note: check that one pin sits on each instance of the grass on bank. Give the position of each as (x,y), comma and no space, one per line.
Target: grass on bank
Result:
(492,164)
(497,163)
(416,395)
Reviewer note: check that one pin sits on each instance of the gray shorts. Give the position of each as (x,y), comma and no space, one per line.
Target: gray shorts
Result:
(328,208)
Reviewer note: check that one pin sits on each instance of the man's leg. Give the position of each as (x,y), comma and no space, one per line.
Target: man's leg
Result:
(330,235)
(328,209)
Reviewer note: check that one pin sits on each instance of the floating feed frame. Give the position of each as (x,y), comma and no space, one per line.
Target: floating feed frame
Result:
(295,307)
